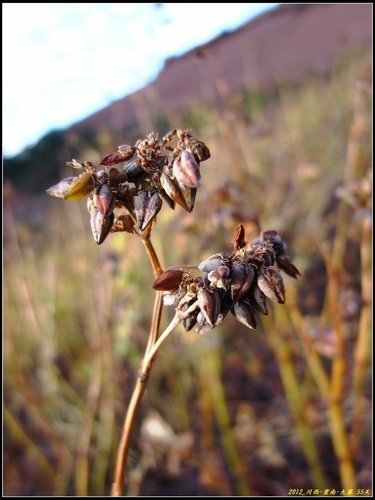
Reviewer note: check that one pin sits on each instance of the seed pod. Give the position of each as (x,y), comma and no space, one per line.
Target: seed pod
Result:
(243,312)
(73,188)
(271,283)
(186,170)
(200,151)
(168,280)
(104,199)
(213,262)
(172,188)
(219,277)
(209,304)
(286,265)
(189,195)
(263,252)
(191,320)
(258,299)
(203,326)
(134,171)
(116,176)
(124,153)
(100,225)
(278,244)
(242,278)
(146,208)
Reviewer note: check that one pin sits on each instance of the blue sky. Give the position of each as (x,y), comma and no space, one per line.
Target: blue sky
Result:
(63,62)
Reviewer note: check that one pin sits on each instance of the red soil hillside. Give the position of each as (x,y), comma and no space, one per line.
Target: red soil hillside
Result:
(279,45)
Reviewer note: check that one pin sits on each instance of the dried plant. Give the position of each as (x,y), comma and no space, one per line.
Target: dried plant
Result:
(155,170)
(128,198)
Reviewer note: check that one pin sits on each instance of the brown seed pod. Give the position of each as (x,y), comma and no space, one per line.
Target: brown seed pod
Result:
(278,244)
(200,151)
(243,312)
(213,262)
(134,171)
(73,188)
(146,208)
(104,199)
(242,278)
(203,326)
(189,195)
(169,280)
(286,265)
(209,304)
(258,299)
(100,225)
(124,153)
(186,170)
(271,284)
(172,188)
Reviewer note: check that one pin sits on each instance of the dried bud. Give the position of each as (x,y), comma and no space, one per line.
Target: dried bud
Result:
(271,283)
(186,170)
(242,278)
(243,312)
(213,262)
(104,199)
(169,280)
(209,304)
(73,188)
(100,225)
(146,208)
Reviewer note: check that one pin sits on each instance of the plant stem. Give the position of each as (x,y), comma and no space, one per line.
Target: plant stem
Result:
(294,391)
(363,348)
(144,372)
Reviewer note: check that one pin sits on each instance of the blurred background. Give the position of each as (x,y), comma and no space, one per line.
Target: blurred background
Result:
(282,96)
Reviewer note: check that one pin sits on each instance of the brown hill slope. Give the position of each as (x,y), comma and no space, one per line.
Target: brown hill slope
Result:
(279,45)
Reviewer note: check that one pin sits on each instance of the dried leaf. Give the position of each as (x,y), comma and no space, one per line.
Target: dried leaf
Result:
(239,237)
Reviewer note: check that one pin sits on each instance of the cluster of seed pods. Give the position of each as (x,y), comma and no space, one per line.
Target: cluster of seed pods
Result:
(239,283)
(137,179)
